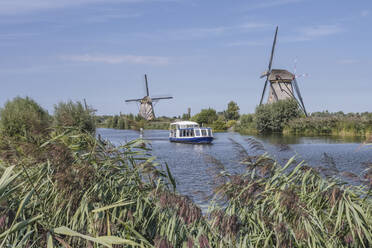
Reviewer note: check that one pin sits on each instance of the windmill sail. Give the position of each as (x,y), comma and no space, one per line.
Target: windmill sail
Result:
(267,74)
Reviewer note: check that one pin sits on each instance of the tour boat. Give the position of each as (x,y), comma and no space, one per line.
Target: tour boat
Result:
(190,132)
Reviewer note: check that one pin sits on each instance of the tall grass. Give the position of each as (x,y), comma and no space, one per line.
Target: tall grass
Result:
(332,125)
(88,193)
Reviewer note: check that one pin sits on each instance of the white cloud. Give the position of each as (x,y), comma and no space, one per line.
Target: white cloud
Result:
(348,61)
(263,4)
(10,7)
(364,13)
(110,16)
(117,59)
(16,36)
(245,43)
(321,30)
(203,32)
(313,32)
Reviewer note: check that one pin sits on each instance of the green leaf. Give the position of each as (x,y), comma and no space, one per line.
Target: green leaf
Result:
(118,204)
(107,241)
(171,178)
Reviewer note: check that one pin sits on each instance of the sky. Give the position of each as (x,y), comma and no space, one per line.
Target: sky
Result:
(204,53)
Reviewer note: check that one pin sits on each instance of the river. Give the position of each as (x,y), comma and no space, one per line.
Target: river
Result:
(192,165)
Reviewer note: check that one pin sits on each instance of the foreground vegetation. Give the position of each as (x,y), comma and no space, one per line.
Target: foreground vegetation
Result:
(64,188)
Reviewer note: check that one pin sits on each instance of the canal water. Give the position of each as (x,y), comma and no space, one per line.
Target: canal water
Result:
(193,166)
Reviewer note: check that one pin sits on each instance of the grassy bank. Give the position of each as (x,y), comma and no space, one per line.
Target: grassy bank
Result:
(333,125)
(133,122)
(283,118)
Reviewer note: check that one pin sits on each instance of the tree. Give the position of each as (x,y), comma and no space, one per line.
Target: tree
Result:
(232,112)
(23,116)
(206,116)
(74,114)
(273,117)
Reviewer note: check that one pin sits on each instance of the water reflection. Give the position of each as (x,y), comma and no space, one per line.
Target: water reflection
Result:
(293,139)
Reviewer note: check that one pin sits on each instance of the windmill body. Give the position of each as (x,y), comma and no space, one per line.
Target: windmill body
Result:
(146,109)
(283,84)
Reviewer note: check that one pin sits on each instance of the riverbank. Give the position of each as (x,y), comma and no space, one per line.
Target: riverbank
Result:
(317,126)
(336,126)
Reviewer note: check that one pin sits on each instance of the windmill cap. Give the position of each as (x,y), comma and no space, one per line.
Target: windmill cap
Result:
(281,74)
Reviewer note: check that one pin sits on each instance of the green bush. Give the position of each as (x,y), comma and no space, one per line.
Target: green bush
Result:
(74,114)
(219,124)
(22,117)
(206,116)
(273,117)
(347,125)
(231,123)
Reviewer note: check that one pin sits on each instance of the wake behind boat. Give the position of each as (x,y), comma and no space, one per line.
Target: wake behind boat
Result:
(190,132)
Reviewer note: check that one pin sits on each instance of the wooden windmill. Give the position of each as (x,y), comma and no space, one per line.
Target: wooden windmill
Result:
(146,109)
(283,84)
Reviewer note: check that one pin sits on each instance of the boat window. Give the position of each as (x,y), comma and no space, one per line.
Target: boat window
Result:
(197,132)
(192,132)
(209,132)
(204,132)
(184,132)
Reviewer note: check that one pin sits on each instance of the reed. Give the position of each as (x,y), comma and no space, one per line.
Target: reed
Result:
(331,125)
(84,192)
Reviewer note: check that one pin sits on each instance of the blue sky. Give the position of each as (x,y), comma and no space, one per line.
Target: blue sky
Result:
(203,52)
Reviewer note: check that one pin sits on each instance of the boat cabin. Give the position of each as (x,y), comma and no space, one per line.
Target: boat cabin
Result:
(189,132)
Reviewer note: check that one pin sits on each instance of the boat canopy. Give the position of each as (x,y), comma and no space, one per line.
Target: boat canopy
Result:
(184,124)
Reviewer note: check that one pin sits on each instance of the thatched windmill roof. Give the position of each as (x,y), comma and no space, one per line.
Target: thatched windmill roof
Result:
(282,75)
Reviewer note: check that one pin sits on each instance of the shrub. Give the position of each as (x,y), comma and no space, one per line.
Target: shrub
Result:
(347,125)
(206,116)
(219,124)
(230,123)
(23,117)
(74,114)
(273,117)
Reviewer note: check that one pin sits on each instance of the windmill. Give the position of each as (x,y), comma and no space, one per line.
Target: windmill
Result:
(146,109)
(283,84)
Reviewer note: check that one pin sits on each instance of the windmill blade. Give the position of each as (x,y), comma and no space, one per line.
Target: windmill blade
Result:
(267,74)
(133,100)
(161,98)
(274,92)
(147,86)
(272,50)
(302,75)
(264,89)
(299,95)
(295,66)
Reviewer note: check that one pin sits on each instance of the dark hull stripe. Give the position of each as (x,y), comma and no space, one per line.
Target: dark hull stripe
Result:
(197,140)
